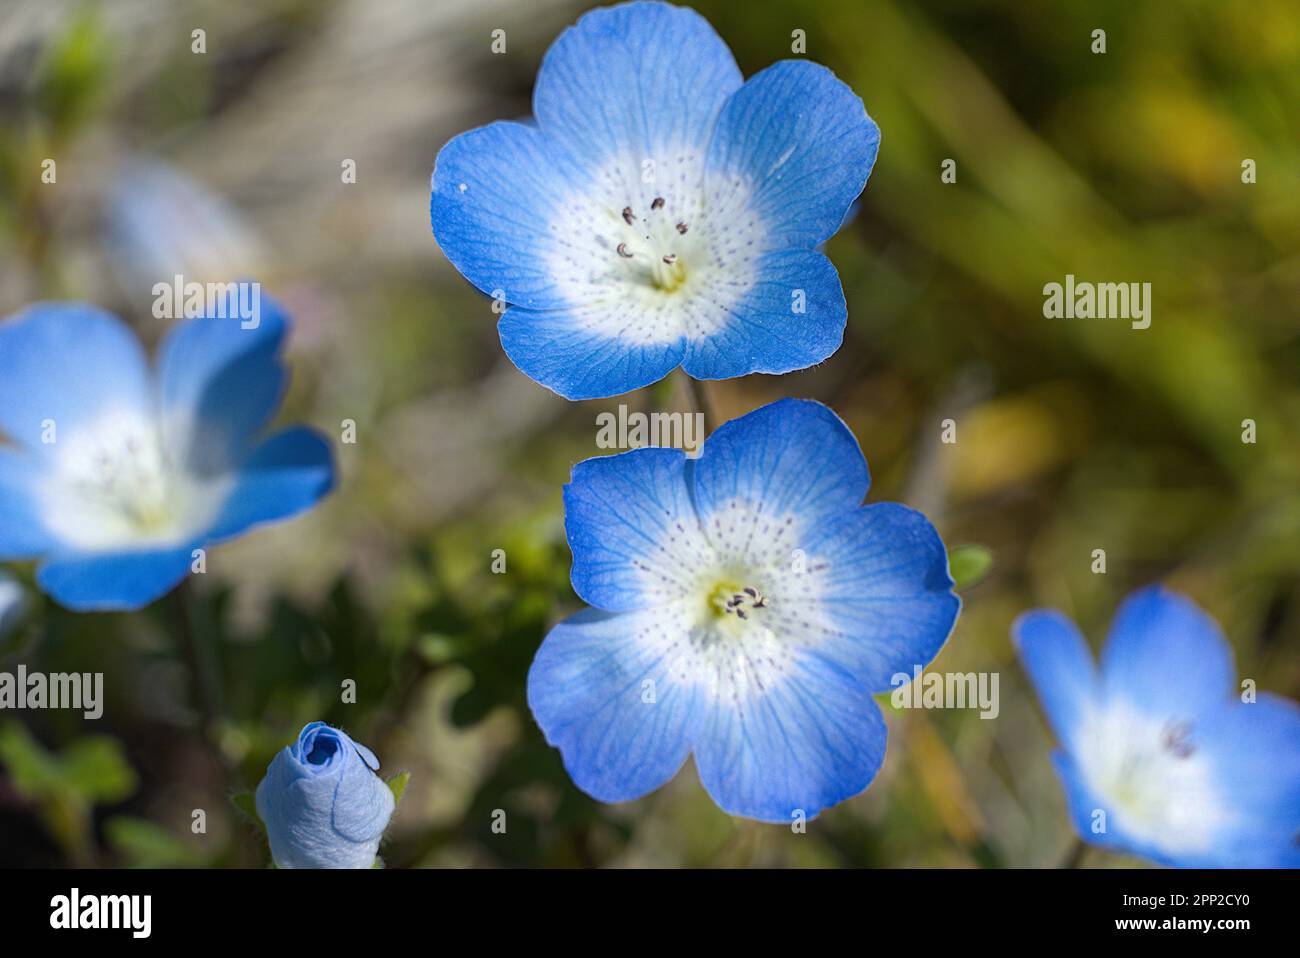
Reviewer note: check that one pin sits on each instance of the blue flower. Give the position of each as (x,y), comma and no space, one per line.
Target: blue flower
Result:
(322,803)
(747,606)
(118,473)
(1159,757)
(661,211)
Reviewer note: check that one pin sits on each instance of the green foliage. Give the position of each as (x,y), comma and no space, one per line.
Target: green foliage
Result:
(65,786)
(75,71)
(968,564)
(397,785)
(140,843)
(246,803)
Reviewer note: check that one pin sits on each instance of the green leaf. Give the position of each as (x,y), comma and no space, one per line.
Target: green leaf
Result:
(247,805)
(92,768)
(143,844)
(969,564)
(96,768)
(33,771)
(397,785)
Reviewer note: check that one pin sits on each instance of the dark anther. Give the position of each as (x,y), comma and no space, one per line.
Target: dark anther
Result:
(670,258)
(1175,740)
(681,228)
(658,203)
(627,215)
(622,251)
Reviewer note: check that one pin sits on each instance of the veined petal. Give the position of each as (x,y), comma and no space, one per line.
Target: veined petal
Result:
(573,352)
(640,79)
(1056,657)
(495,192)
(66,366)
(1166,656)
(23,530)
(792,318)
(801,142)
(791,458)
(796,745)
(609,693)
(878,599)
(114,581)
(632,529)
(286,474)
(221,384)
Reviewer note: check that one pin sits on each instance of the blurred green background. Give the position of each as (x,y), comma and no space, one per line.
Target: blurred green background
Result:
(1073,435)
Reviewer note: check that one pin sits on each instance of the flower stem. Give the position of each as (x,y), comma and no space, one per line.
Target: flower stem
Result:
(699,399)
(1074,857)
(198,660)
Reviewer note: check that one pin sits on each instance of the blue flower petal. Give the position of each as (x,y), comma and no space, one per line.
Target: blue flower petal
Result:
(286,474)
(633,81)
(120,581)
(1058,662)
(69,363)
(801,139)
(1165,655)
(23,532)
(492,205)
(1255,751)
(628,519)
(794,456)
(559,350)
(1093,818)
(811,741)
(884,587)
(363,803)
(793,318)
(221,384)
(603,690)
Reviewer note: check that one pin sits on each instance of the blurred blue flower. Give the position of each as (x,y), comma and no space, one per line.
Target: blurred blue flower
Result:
(322,803)
(118,473)
(161,222)
(747,606)
(661,211)
(1159,757)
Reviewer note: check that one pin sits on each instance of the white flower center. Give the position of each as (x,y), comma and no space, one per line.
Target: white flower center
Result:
(113,485)
(1159,784)
(653,250)
(745,596)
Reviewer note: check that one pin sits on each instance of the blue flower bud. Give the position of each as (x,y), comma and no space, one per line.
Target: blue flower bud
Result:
(322,804)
